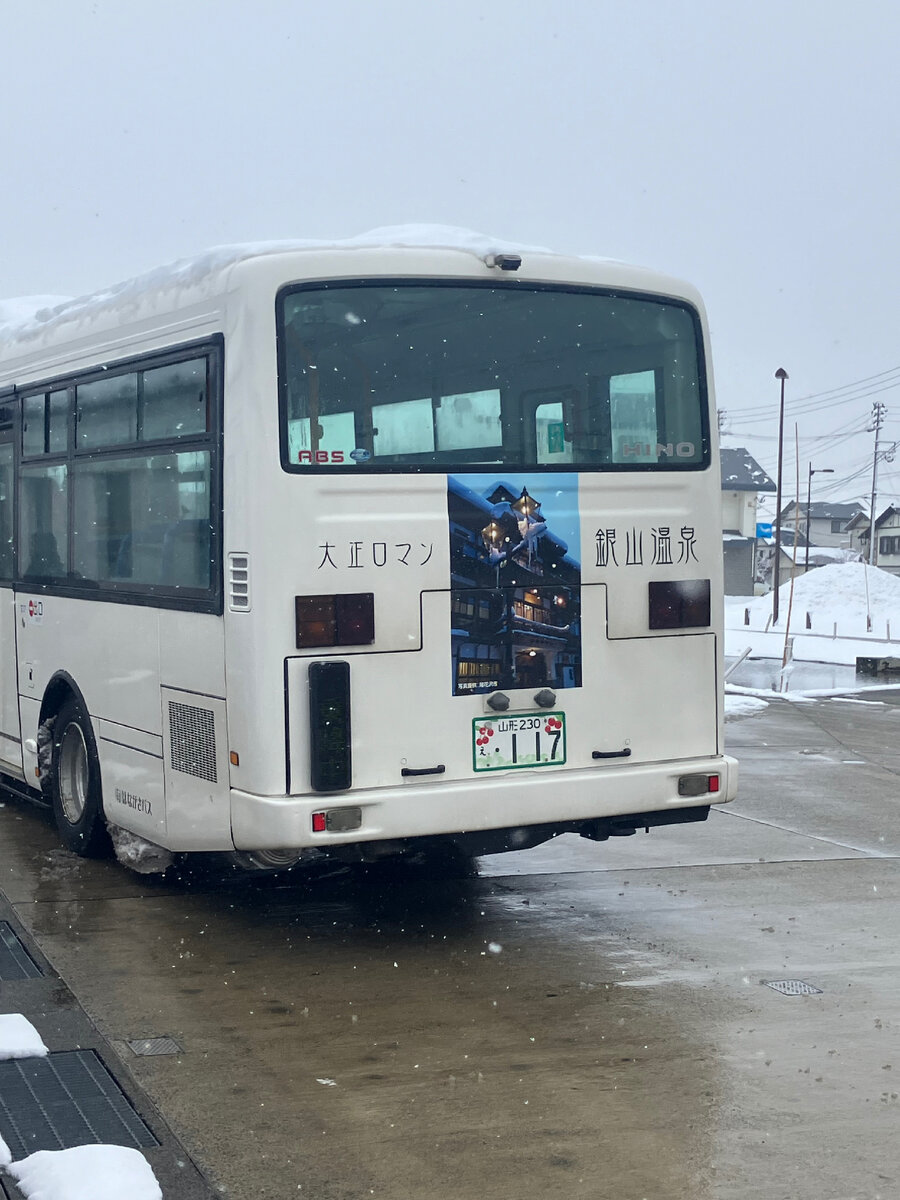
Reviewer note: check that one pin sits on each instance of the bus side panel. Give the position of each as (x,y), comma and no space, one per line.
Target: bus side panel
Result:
(109,651)
(10,741)
(192,652)
(195,749)
(29,712)
(133,795)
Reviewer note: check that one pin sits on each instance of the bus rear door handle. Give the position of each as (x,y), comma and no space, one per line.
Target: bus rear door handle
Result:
(626,753)
(438,770)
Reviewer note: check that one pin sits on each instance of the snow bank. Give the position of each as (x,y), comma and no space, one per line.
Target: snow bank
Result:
(86,1173)
(19,1038)
(742,706)
(842,593)
(5,1156)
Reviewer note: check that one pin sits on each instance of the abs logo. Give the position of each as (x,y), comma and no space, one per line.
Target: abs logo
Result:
(320,457)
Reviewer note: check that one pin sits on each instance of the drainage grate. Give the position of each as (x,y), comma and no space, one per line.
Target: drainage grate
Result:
(15,961)
(156,1045)
(792,987)
(65,1100)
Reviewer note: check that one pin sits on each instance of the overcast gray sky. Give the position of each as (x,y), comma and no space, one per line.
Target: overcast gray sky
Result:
(750,148)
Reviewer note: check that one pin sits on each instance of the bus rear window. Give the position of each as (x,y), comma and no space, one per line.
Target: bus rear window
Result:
(446,376)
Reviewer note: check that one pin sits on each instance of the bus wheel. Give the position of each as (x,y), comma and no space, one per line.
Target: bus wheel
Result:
(75,780)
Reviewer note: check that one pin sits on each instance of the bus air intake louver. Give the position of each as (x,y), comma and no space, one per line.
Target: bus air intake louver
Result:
(239,582)
(192,740)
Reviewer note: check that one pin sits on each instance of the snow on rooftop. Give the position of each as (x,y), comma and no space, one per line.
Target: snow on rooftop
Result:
(23,319)
(86,1173)
(19,1038)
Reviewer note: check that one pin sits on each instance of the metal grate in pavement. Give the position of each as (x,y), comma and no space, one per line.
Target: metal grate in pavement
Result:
(792,987)
(64,1100)
(15,961)
(155,1045)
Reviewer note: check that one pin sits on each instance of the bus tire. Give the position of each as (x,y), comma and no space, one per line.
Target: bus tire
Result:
(75,783)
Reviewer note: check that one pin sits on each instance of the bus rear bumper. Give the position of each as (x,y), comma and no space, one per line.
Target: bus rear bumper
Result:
(517,799)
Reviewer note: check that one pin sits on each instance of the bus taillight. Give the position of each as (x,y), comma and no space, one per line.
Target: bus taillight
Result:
(329,726)
(337,820)
(697,785)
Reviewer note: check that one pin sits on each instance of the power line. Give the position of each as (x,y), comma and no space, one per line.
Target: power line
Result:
(809,404)
(832,392)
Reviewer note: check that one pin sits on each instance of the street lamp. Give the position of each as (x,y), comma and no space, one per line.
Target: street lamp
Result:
(782,375)
(812,471)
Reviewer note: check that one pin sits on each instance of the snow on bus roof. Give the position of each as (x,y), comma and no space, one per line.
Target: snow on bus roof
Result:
(29,316)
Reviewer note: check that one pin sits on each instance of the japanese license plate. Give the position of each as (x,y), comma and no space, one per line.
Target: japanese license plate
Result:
(507,743)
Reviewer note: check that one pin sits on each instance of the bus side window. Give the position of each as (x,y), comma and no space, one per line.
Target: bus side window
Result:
(106,411)
(42,521)
(145,520)
(174,400)
(6,510)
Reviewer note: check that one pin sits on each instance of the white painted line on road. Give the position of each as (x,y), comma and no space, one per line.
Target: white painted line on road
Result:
(813,837)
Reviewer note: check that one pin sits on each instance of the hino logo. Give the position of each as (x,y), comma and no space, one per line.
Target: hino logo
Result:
(659,450)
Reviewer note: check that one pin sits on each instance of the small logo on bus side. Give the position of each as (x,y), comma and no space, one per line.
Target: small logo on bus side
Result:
(32,611)
(132,800)
(360,455)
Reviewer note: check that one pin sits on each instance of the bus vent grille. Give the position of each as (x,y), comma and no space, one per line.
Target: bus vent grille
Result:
(239,582)
(192,740)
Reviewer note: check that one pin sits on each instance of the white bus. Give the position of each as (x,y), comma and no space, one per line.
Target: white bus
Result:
(382,546)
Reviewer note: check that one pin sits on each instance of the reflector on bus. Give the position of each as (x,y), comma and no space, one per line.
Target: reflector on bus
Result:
(335,620)
(329,726)
(679,604)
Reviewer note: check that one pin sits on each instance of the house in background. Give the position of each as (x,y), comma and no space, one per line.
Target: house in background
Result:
(887,531)
(742,481)
(826,524)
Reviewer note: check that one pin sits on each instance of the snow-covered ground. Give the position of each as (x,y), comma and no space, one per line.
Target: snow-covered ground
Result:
(82,1172)
(740,704)
(838,614)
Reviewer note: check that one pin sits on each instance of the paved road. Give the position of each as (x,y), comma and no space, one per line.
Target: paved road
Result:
(579,1020)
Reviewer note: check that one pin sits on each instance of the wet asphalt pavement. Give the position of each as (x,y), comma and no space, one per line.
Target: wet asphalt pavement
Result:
(581,1020)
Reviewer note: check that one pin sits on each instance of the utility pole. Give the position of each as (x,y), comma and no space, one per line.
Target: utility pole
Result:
(878,411)
(812,471)
(782,375)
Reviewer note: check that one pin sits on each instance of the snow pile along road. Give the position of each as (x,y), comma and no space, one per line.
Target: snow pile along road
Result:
(79,1173)
(19,1038)
(738,705)
(86,1173)
(841,593)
